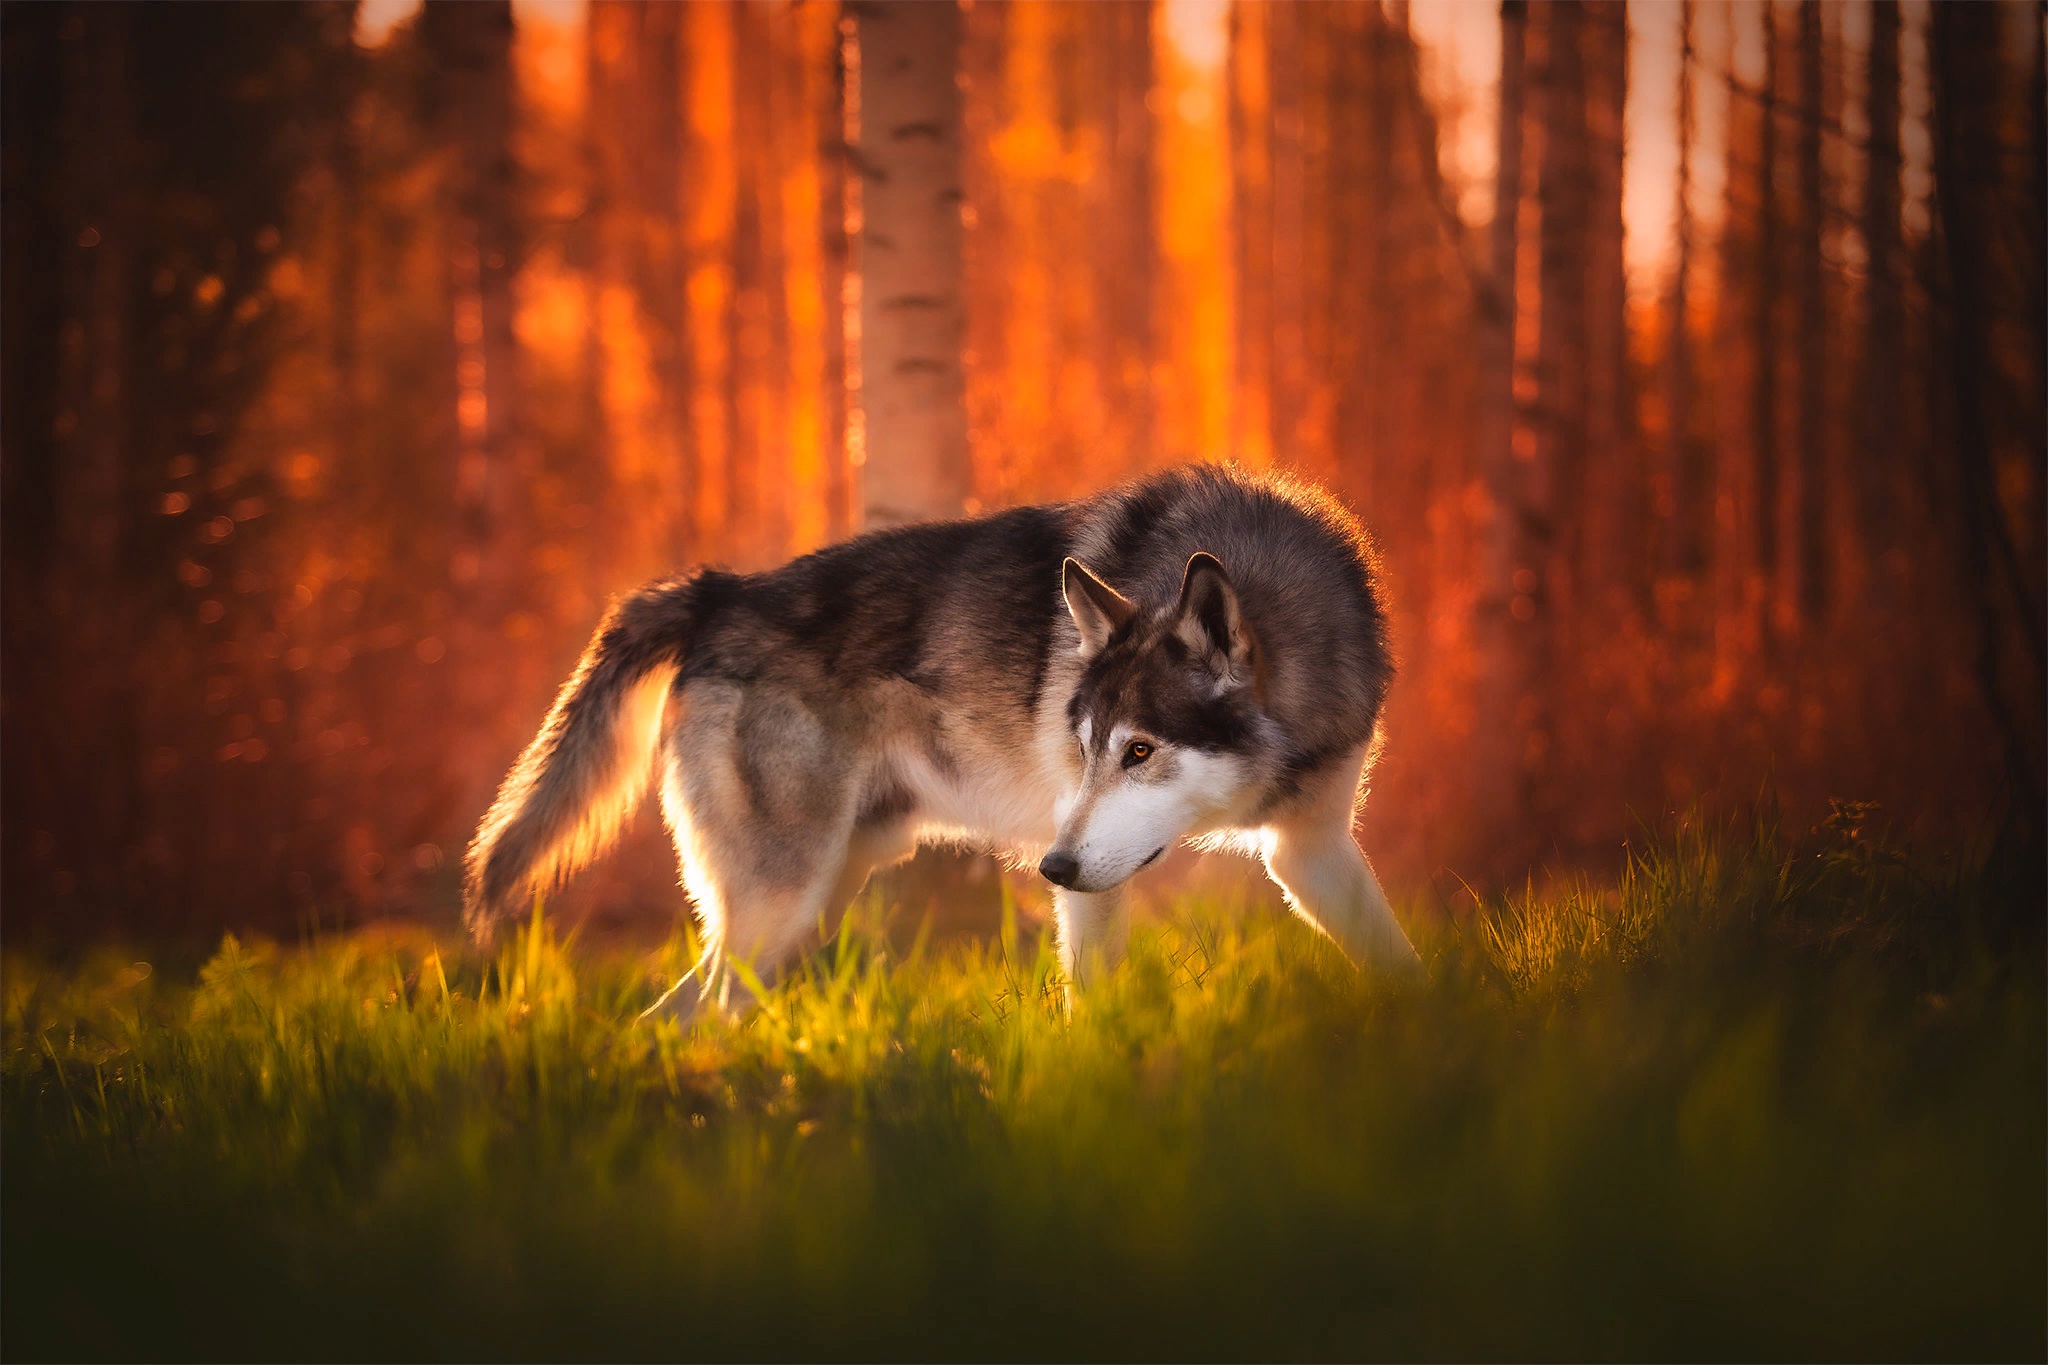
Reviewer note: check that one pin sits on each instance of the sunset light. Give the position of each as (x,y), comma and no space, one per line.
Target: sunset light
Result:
(1050,679)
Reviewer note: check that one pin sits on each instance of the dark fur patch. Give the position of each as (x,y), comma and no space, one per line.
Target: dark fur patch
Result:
(1135,518)
(884,805)
(938,604)
(940,757)
(1295,770)
(1305,576)
(1147,678)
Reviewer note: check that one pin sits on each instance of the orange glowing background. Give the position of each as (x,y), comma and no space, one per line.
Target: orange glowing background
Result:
(506,323)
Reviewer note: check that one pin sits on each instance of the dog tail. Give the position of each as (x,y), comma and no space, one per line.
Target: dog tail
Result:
(565,799)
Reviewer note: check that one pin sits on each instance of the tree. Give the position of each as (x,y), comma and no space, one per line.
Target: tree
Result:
(151,156)
(1811,390)
(1764,340)
(470,49)
(1127,217)
(830,111)
(1507,590)
(1615,557)
(1497,338)
(657,187)
(96,480)
(1881,405)
(912,387)
(1964,57)
(469,99)
(2034,264)
(1689,462)
(1566,193)
(1551,579)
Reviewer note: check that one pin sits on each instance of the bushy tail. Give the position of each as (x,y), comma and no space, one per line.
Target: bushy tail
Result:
(564,800)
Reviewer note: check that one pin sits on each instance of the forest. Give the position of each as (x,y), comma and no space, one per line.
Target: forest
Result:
(1687,361)
(353,362)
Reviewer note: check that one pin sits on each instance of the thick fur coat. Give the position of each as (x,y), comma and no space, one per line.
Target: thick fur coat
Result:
(1199,655)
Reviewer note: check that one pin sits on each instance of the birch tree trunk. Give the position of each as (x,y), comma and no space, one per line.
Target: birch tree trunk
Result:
(912,390)
(1880,462)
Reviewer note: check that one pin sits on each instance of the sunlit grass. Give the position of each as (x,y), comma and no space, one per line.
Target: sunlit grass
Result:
(1746,1099)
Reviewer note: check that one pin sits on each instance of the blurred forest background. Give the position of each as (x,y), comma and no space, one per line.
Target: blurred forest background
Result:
(1687,360)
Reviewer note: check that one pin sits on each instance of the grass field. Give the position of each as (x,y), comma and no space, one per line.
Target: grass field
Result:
(1751,1099)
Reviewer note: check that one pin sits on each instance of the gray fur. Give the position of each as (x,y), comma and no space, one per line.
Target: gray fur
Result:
(928,683)
(565,798)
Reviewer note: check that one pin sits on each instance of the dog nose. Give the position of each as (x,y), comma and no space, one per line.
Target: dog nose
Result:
(1059,869)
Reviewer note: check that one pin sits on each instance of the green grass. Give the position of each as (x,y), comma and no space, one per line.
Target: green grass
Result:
(1750,1100)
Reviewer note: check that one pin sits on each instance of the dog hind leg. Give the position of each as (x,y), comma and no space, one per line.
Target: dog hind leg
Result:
(762,922)
(872,848)
(761,801)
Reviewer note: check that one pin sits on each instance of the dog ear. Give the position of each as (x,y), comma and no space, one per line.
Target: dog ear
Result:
(1098,609)
(1209,622)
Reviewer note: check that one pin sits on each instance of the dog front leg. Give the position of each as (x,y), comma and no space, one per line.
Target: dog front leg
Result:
(1329,884)
(1093,932)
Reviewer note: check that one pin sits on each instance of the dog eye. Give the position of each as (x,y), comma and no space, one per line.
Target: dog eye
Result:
(1137,754)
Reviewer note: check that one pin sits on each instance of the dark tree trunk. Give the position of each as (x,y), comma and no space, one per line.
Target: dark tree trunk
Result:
(591,241)
(1287,395)
(1964,53)
(1812,388)
(1372,212)
(1497,339)
(1504,770)
(1690,462)
(760,271)
(471,45)
(1566,192)
(1136,230)
(1880,463)
(2034,262)
(1764,342)
(660,185)
(92,600)
(344,353)
(831,134)
(1251,165)
(470,99)
(1616,558)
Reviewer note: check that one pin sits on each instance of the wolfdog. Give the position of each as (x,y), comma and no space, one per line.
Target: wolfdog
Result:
(1200,655)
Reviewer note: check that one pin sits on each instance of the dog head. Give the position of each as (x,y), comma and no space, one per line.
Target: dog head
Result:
(1167,720)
